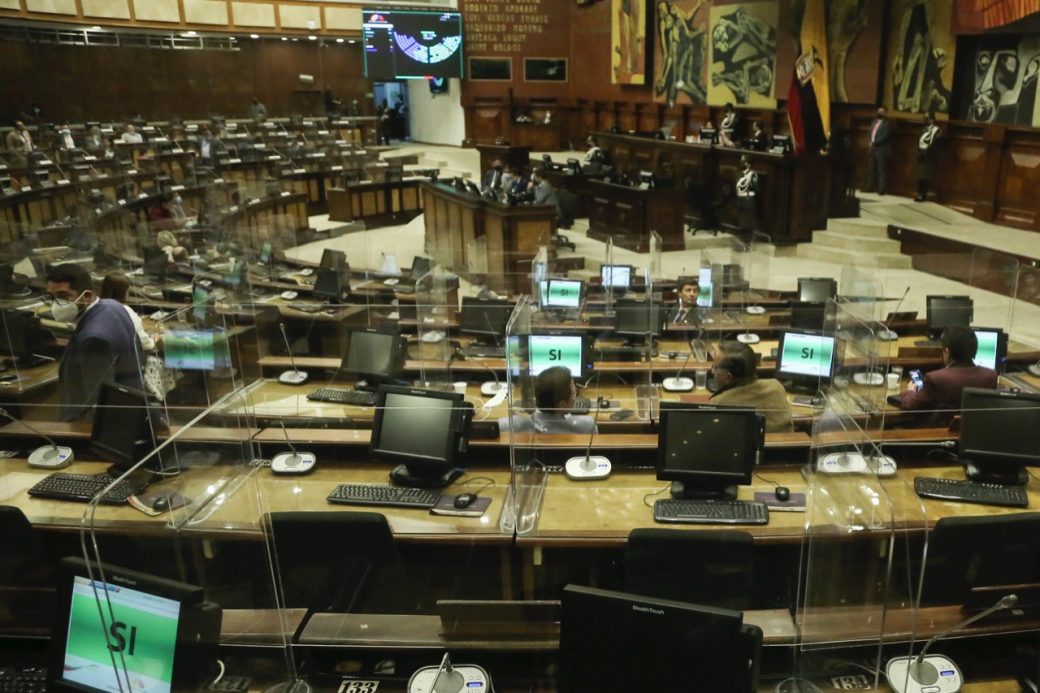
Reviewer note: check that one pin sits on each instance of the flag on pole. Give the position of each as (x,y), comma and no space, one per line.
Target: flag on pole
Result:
(808,98)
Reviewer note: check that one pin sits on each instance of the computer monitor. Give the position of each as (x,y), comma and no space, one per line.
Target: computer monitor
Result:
(421,266)
(558,349)
(329,285)
(646,180)
(805,360)
(707,450)
(155,262)
(998,434)
(266,250)
(122,430)
(373,354)
(423,430)
(563,294)
(196,350)
(637,319)
(617,276)
(614,642)
(19,335)
(992,351)
(333,259)
(781,144)
(485,318)
(808,315)
(817,289)
(947,311)
(707,135)
(117,629)
(574,166)
(705,288)
(547,162)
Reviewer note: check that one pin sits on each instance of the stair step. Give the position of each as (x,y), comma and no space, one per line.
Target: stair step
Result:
(864,229)
(852,241)
(854,257)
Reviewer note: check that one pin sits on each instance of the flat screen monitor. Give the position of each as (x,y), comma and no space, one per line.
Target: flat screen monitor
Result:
(1000,429)
(19,335)
(817,289)
(485,318)
(122,431)
(265,253)
(328,285)
(948,311)
(421,266)
(808,315)
(646,180)
(564,294)
(613,642)
(707,135)
(707,449)
(407,44)
(635,318)
(155,261)
(373,354)
(805,358)
(333,259)
(196,350)
(617,276)
(992,351)
(420,429)
(705,288)
(571,350)
(130,631)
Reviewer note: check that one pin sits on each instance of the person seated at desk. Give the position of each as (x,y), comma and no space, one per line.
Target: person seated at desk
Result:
(131,136)
(542,191)
(115,286)
(103,345)
(209,147)
(941,389)
(554,394)
(493,178)
(257,110)
(685,309)
(594,155)
(169,243)
(737,383)
(97,144)
(163,214)
(19,144)
(758,140)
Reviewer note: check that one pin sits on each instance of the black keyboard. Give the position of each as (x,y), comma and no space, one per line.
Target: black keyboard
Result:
(23,680)
(971,492)
(332,394)
(711,512)
(83,487)
(483,351)
(395,496)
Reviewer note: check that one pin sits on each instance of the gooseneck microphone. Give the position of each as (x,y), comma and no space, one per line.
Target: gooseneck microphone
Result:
(679,383)
(51,456)
(589,467)
(294,376)
(887,335)
(294,462)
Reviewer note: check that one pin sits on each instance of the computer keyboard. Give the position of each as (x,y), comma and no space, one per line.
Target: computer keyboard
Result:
(23,680)
(83,487)
(393,496)
(971,492)
(711,512)
(483,351)
(331,394)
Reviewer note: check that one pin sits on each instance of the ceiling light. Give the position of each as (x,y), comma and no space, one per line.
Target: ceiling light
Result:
(352,41)
(312,38)
(284,38)
(254,36)
(339,40)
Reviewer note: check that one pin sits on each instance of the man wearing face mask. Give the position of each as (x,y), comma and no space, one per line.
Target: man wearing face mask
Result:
(103,347)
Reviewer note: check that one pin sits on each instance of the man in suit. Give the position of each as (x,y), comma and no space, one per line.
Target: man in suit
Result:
(493,178)
(103,347)
(543,191)
(941,389)
(880,140)
(19,144)
(737,384)
(554,393)
(685,309)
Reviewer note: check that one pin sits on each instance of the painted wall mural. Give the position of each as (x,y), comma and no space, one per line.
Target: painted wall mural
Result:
(742,66)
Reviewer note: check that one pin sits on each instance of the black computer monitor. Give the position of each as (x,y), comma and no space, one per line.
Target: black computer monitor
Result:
(808,315)
(707,450)
(613,642)
(637,319)
(998,436)
(122,430)
(547,163)
(19,335)
(617,276)
(333,259)
(646,180)
(119,629)
(817,289)
(485,318)
(421,266)
(329,285)
(155,262)
(472,188)
(574,166)
(947,311)
(423,431)
(563,294)
(805,360)
(373,354)
(707,136)
(992,351)
(548,349)
(782,144)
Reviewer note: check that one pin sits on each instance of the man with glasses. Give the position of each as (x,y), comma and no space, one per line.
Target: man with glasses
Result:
(737,384)
(103,347)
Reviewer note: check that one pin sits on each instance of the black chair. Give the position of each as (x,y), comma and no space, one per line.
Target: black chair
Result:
(702,209)
(566,204)
(335,561)
(709,567)
(23,560)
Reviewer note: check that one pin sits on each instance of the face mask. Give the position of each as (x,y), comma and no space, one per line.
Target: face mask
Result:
(65,313)
(177,200)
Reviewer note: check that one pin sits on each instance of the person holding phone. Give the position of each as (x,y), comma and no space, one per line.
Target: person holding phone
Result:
(939,391)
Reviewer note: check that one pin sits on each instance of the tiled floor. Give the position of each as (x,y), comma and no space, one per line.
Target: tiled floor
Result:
(366,249)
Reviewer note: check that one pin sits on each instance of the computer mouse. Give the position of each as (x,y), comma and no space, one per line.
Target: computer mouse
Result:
(161,504)
(464,500)
(782,493)
(621,414)
(289,295)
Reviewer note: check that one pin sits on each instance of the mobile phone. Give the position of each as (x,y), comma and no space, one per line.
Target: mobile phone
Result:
(915,376)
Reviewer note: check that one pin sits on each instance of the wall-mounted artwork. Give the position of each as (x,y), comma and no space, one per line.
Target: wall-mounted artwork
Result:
(491,69)
(920,56)
(854,30)
(681,50)
(628,41)
(1000,84)
(545,69)
(742,65)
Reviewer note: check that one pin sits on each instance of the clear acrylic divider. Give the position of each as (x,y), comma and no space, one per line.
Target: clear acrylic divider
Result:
(437,312)
(528,471)
(993,278)
(608,276)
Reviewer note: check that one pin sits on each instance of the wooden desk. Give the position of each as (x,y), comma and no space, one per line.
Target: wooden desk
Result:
(377,204)
(628,215)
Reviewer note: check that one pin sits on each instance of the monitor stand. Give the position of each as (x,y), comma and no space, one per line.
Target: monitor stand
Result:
(682,490)
(1005,475)
(403,476)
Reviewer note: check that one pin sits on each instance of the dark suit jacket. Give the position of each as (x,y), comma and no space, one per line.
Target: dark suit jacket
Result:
(881,143)
(103,347)
(942,388)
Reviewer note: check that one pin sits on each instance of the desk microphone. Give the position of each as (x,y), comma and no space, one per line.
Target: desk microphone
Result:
(887,335)
(294,462)
(935,672)
(588,467)
(490,389)
(295,376)
(678,383)
(51,456)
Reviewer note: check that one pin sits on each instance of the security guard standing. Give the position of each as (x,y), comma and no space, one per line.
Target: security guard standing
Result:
(747,198)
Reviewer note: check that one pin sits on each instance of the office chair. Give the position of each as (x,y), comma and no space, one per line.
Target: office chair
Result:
(567,203)
(23,560)
(700,203)
(710,567)
(331,561)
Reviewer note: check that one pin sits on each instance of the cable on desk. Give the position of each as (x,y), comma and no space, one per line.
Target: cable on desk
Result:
(655,493)
(489,484)
(768,481)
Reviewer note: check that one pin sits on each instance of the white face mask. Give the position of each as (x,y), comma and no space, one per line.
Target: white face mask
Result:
(67,312)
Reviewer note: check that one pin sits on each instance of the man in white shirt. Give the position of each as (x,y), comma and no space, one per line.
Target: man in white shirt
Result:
(131,136)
